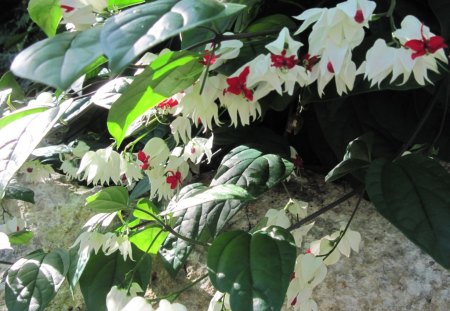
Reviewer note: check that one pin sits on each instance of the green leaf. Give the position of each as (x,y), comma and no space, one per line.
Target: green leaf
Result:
(107,200)
(19,193)
(413,194)
(120,4)
(77,264)
(254,269)
(168,74)
(19,138)
(356,157)
(60,60)
(150,239)
(108,93)
(271,22)
(46,14)
(20,238)
(33,281)
(103,272)
(8,81)
(149,24)
(146,207)
(244,166)
(18,114)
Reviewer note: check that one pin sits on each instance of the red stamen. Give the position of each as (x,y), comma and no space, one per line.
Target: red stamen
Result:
(281,61)
(309,61)
(168,103)
(144,159)
(330,67)
(208,58)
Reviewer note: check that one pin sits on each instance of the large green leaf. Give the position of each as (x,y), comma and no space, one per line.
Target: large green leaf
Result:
(60,60)
(46,14)
(120,4)
(244,166)
(413,194)
(19,138)
(150,239)
(16,115)
(33,281)
(167,75)
(254,269)
(108,200)
(103,272)
(19,193)
(356,157)
(8,81)
(134,31)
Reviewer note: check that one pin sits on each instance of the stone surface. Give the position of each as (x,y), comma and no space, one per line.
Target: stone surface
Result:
(389,273)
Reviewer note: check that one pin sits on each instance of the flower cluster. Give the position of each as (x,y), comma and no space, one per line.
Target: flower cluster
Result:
(36,172)
(108,242)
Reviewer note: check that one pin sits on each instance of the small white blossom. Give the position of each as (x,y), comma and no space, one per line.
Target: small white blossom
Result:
(36,172)
(4,241)
(228,49)
(197,148)
(181,129)
(80,149)
(100,166)
(112,243)
(77,15)
(129,169)
(69,169)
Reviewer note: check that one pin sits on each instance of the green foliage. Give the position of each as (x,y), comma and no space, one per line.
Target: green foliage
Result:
(8,81)
(271,22)
(120,4)
(20,238)
(155,22)
(412,193)
(245,167)
(167,75)
(23,136)
(255,269)
(356,157)
(107,200)
(34,280)
(60,60)
(19,193)
(103,272)
(77,264)
(46,14)
(18,114)
(150,239)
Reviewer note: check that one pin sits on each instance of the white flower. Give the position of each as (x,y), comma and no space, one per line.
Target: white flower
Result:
(197,148)
(277,218)
(112,243)
(97,5)
(158,151)
(181,129)
(360,10)
(101,166)
(201,108)
(165,305)
(219,302)
(35,172)
(228,49)
(69,169)
(12,225)
(284,42)
(80,149)
(89,241)
(129,169)
(77,15)
(297,208)
(4,241)
(300,233)
(42,100)
(119,300)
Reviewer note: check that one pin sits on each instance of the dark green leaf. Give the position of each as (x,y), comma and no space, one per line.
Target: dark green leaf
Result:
(152,23)
(46,14)
(20,238)
(103,272)
(19,138)
(413,194)
(246,167)
(107,200)
(271,22)
(142,187)
(357,156)
(254,269)
(19,193)
(167,75)
(60,60)
(33,281)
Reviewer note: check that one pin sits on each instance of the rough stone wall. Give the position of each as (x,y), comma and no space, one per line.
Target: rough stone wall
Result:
(389,273)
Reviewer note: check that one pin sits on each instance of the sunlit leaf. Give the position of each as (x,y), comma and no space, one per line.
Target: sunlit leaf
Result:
(107,200)
(46,14)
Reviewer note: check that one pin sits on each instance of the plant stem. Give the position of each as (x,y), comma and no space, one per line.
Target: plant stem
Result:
(427,113)
(346,227)
(390,14)
(3,262)
(170,229)
(316,214)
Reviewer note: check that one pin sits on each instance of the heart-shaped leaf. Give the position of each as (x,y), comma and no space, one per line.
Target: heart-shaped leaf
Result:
(168,74)
(60,60)
(46,14)
(33,281)
(103,272)
(149,24)
(413,194)
(108,200)
(254,269)
(251,169)
(19,138)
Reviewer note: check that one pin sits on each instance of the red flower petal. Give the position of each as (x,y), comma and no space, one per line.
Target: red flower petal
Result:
(415,45)
(435,43)
(330,67)
(359,16)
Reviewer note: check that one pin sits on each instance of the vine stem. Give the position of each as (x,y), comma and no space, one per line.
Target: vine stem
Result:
(316,214)
(346,227)
(419,127)
(170,229)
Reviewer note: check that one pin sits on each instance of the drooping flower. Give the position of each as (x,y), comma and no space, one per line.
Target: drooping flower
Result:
(181,129)
(69,168)
(227,50)
(119,299)
(112,243)
(36,172)
(277,218)
(143,158)
(238,85)
(129,170)
(197,148)
(157,151)
(360,10)
(101,166)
